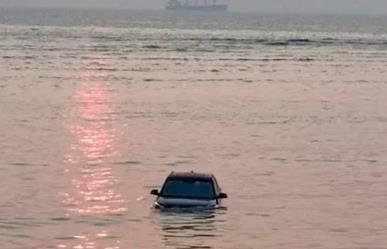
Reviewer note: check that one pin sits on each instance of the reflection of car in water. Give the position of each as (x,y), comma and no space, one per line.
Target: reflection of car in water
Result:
(189,190)
(191,229)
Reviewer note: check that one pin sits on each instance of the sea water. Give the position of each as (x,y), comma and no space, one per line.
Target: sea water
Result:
(98,106)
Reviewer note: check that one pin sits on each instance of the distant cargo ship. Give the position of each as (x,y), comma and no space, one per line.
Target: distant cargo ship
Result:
(194,5)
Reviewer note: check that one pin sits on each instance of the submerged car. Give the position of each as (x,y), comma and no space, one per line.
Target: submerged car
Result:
(189,190)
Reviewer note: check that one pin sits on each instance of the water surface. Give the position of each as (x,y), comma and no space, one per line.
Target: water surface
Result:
(97,107)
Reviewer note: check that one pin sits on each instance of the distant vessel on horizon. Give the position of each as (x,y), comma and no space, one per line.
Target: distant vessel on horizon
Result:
(194,5)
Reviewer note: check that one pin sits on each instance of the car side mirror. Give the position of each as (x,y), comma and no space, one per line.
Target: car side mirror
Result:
(222,196)
(154,192)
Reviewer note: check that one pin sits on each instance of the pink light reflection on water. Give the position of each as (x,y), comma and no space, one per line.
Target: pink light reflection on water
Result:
(90,241)
(91,122)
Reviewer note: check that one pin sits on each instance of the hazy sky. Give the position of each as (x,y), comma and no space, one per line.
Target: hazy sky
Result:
(293,6)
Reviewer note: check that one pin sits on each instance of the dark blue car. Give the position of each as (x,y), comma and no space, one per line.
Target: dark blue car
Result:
(189,190)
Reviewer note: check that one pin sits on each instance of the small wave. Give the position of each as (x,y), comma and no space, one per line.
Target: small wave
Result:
(90,57)
(226,45)
(181,49)
(307,59)
(290,42)
(205,50)
(20,164)
(97,63)
(130,162)
(153,47)
(228,40)
(327,41)
(298,41)
(105,69)
(108,37)
(152,80)
(53,49)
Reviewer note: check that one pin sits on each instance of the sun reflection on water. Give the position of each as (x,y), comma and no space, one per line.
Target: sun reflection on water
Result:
(91,122)
(93,184)
(89,242)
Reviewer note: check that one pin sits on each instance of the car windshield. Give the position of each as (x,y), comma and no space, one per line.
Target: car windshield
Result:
(188,189)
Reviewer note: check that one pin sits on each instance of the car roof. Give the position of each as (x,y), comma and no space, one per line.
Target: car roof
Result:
(190,176)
